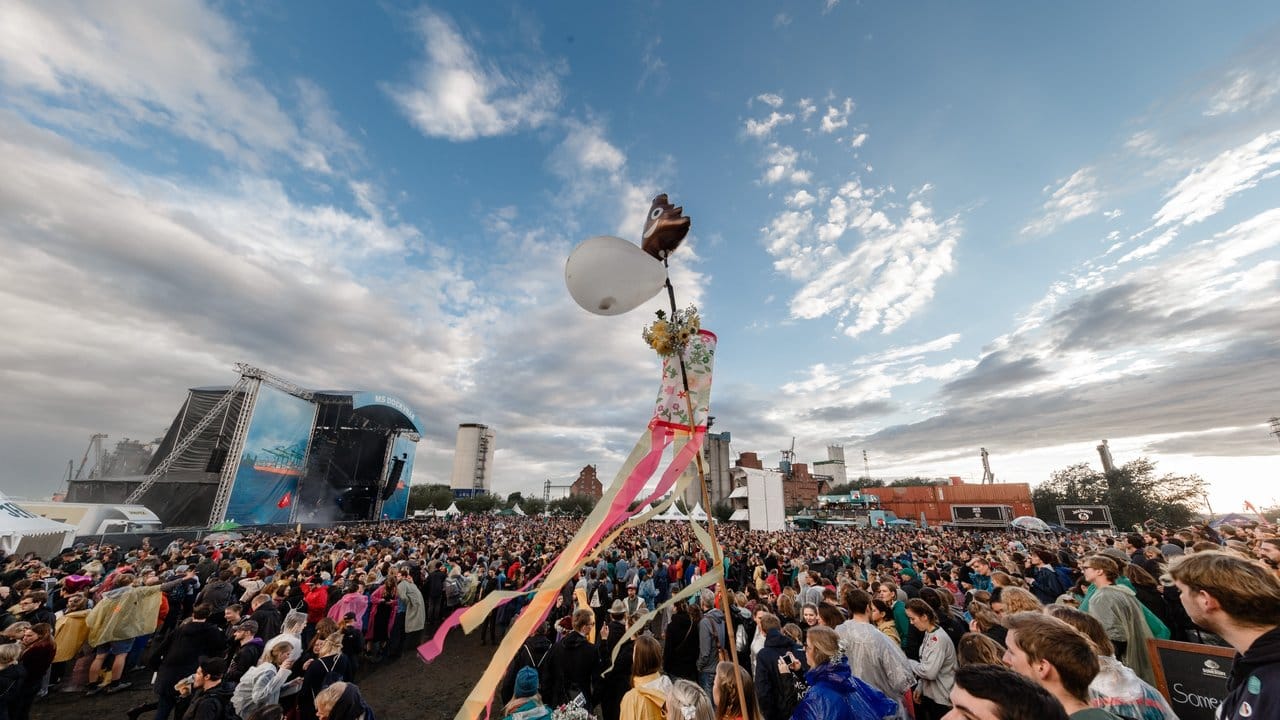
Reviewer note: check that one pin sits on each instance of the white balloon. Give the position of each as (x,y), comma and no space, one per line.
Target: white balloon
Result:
(607,275)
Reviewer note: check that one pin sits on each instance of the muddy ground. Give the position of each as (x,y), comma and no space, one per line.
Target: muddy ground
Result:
(403,689)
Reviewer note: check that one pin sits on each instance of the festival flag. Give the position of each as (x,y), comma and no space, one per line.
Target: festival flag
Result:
(284,501)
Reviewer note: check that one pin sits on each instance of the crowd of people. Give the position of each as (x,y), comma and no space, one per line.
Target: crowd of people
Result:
(832,623)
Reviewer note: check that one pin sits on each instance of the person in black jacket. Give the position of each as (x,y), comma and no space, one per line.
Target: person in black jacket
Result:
(1237,600)
(768,680)
(680,654)
(435,594)
(245,652)
(211,698)
(13,677)
(572,664)
(179,656)
(533,653)
(613,682)
(267,615)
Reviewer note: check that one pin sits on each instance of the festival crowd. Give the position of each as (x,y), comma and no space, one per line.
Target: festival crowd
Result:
(844,624)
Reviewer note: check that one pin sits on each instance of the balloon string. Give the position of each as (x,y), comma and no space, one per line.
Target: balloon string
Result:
(716,553)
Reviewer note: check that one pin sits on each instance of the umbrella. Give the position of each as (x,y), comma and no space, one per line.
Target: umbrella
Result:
(1030,524)
(221,537)
(226,525)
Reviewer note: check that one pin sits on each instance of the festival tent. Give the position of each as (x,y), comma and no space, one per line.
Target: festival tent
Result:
(23,532)
(671,514)
(452,510)
(697,513)
(518,510)
(740,515)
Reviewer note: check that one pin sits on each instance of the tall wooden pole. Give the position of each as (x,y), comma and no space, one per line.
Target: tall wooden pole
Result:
(717,556)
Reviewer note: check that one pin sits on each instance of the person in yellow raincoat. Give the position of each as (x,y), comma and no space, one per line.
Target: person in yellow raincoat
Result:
(647,697)
(69,636)
(125,612)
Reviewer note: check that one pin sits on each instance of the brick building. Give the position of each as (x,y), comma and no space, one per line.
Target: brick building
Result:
(799,488)
(587,484)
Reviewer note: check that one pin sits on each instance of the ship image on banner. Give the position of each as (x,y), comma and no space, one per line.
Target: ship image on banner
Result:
(275,453)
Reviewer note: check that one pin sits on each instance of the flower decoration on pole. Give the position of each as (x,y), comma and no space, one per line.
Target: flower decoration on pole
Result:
(670,335)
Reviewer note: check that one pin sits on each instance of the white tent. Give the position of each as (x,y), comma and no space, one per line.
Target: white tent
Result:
(518,510)
(23,532)
(671,514)
(452,510)
(740,515)
(697,513)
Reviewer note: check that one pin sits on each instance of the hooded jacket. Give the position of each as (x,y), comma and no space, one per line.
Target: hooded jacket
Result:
(71,633)
(712,636)
(569,669)
(770,685)
(1121,615)
(1257,668)
(212,704)
(835,694)
(182,649)
(647,699)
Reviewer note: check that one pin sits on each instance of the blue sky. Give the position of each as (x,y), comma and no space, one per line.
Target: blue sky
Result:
(917,230)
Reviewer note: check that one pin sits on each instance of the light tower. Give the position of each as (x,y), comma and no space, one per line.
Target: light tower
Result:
(1275,427)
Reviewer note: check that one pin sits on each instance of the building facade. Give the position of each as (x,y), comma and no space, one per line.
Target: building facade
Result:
(716,463)
(472,460)
(587,484)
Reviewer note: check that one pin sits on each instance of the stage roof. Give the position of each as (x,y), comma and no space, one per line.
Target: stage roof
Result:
(382,408)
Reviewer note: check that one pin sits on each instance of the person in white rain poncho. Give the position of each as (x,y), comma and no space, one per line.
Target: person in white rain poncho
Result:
(1116,688)
(873,656)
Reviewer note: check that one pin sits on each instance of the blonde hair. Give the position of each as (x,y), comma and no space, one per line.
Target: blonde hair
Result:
(683,694)
(9,653)
(824,643)
(1016,599)
(329,697)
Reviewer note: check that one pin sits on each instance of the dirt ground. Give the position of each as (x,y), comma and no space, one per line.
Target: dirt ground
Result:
(400,690)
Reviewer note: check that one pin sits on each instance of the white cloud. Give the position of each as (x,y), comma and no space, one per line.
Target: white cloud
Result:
(800,199)
(781,20)
(781,164)
(881,279)
(1150,248)
(829,5)
(1076,197)
(1206,190)
(458,96)
(1244,90)
(858,140)
(1113,214)
(807,108)
(837,117)
(771,99)
(761,128)
(178,66)
(909,352)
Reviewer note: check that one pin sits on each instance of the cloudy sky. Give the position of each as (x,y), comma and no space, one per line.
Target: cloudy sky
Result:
(917,230)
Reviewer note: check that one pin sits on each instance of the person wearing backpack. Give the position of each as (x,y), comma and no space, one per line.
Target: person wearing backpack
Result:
(713,640)
(533,653)
(326,668)
(211,699)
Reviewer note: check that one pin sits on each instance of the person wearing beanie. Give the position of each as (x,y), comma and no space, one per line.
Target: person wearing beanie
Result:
(911,583)
(527,703)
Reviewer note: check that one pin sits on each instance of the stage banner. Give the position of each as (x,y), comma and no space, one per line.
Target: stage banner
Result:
(275,454)
(397,505)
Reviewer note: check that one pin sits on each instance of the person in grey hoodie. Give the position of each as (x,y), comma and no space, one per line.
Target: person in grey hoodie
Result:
(712,637)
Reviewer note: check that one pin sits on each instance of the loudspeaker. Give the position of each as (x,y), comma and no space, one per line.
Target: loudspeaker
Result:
(217,459)
(393,477)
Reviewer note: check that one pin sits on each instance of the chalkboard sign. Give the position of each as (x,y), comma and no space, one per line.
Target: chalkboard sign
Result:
(1193,678)
(981,513)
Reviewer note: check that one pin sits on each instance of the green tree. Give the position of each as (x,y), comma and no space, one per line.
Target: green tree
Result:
(422,497)
(722,511)
(1134,492)
(573,506)
(533,506)
(479,503)
(911,482)
(515,497)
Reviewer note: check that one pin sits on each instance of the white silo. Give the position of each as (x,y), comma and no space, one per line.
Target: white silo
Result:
(472,460)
